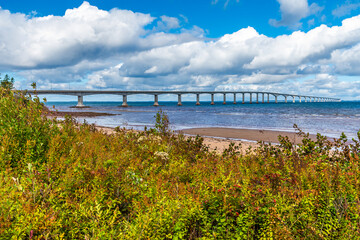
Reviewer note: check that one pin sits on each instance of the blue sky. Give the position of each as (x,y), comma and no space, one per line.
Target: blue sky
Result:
(300,46)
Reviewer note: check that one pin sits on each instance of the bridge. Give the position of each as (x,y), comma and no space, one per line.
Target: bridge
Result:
(81,93)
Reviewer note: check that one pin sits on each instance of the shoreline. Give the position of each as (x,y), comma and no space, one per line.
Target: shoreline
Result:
(245,135)
(51,113)
(219,139)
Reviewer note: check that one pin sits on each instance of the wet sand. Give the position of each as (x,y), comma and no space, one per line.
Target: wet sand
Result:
(218,139)
(245,134)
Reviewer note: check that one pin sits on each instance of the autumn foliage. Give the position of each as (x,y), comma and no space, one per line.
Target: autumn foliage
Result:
(64,180)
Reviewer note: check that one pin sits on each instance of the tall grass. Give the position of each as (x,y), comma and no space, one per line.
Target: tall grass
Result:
(64,180)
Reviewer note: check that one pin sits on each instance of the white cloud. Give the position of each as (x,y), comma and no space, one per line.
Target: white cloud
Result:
(345,9)
(225,4)
(82,33)
(168,23)
(96,49)
(292,11)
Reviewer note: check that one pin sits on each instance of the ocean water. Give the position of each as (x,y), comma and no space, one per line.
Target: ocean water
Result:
(330,119)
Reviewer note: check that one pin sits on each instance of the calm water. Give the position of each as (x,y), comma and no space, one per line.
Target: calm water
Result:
(327,118)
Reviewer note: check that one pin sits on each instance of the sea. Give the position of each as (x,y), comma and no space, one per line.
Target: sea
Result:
(327,118)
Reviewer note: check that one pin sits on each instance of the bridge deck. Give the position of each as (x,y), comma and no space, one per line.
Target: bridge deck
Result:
(81,93)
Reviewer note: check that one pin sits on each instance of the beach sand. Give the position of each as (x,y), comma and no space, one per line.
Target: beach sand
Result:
(246,134)
(218,139)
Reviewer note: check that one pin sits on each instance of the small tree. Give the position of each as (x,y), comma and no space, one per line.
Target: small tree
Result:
(7,82)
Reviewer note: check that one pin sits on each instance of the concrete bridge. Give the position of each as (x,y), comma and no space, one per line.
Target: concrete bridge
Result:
(81,93)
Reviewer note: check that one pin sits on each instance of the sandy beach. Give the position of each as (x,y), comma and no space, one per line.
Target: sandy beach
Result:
(245,134)
(218,139)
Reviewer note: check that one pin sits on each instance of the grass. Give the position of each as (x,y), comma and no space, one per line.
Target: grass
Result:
(64,180)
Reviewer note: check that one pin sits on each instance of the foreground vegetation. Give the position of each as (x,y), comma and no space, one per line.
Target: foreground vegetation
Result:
(63,180)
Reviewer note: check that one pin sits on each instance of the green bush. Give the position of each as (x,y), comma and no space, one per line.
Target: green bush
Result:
(24,131)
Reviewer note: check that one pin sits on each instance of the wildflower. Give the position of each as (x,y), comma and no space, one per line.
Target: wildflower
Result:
(141,139)
(155,138)
(162,155)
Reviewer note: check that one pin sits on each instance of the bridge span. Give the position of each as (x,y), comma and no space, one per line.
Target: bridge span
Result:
(81,93)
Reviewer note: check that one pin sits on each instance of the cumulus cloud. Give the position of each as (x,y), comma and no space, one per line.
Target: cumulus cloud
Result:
(246,51)
(168,23)
(292,11)
(83,33)
(119,49)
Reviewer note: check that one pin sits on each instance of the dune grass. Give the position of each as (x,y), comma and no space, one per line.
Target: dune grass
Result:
(64,180)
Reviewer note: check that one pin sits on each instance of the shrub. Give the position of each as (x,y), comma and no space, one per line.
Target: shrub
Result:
(64,180)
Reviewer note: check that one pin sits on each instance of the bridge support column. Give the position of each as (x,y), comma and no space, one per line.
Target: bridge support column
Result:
(250,98)
(243,98)
(224,99)
(305,99)
(234,98)
(285,99)
(179,100)
(197,99)
(299,99)
(263,96)
(276,99)
(212,99)
(257,97)
(268,98)
(124,103)
(156,100)
(293,99)
(80,103)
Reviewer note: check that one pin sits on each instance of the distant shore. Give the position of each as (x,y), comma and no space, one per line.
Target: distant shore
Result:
(76,114)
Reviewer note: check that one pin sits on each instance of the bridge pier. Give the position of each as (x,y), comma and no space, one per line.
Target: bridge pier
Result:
(124,103)
(81,93)
(179,100)
(197,99)
(156,100)
(80,103)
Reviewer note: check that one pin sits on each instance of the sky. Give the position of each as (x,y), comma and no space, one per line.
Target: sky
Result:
(308,47)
